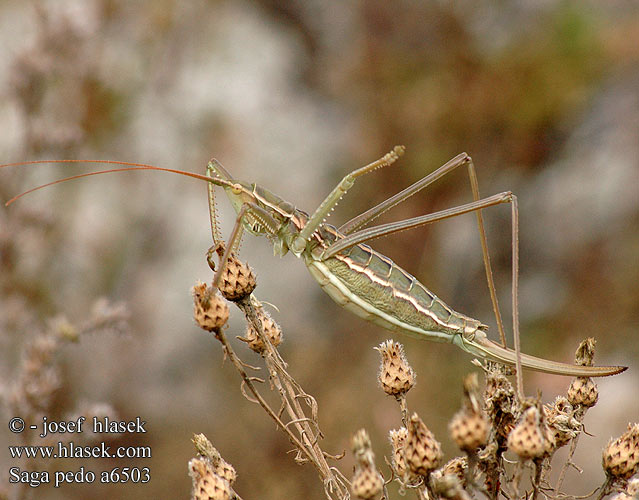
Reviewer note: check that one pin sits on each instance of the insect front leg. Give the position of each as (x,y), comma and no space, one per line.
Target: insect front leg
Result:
(249,214)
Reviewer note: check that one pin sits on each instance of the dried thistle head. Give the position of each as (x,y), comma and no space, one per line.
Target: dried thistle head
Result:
(367,482)
(220,466)
(270,328)
(455,467)
(207,485)
(560,419)
(209,309)
(448,486)
(469,427)
(237,280)
(398,442)
(529,438)
(621,456)
(501,404)
(396,377)
(583,391)
(423,452)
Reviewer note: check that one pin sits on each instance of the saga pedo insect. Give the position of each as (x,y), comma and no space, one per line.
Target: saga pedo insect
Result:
(354,275)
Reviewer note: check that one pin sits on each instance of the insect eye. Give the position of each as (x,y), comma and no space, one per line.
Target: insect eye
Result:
(236,188)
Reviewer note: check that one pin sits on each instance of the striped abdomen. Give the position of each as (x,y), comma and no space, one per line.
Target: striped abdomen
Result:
(375,288)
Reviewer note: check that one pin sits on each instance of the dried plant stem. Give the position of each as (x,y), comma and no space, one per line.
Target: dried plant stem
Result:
(302,430)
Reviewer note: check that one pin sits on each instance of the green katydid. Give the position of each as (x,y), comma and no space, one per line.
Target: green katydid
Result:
(359,278)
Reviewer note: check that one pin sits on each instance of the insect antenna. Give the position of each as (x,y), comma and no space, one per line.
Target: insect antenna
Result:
(129,167)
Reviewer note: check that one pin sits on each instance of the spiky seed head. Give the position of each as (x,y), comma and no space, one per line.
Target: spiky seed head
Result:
(206,484)
(396,377)
(527,439)
(469,430)
(271,330)
(398,441)
(560,420)
(220,466)
(469,427)
(237,280)
(209,309)
(367,482)
(583,391)
(422,451)
(621,456)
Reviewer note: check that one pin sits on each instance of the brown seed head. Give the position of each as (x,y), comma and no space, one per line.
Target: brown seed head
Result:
(396,376)
(621,456)
(271,330)
(583,391)
(220,466)
(367,482)
(422,451)
(469,427)
(209,309)
(469,430)
(561,421)
(206,484)
(398,441)
(237,280)
(528,438)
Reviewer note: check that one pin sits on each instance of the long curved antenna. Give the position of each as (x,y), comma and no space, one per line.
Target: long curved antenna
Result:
(130,167)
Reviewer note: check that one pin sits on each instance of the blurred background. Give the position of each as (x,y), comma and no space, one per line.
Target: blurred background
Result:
(293,95)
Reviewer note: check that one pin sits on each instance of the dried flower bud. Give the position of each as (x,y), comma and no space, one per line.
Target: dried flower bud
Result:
(501,404)
(583,391)
(398,441)
(237,280)
(585,354)
(210,311)
(448,486)
(456,467)
(528,439)
(469,428)
(621,456)
(561,421)
(396,376)
(220,466)
(271,330)
(206,484)
(367,482)
(422,451)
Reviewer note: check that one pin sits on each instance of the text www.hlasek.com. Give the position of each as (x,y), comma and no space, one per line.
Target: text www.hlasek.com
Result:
(71,450)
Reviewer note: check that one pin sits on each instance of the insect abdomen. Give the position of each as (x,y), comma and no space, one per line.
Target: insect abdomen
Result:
(375,288)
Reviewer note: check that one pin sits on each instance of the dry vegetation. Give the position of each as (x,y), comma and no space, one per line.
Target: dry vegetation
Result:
(504,438)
